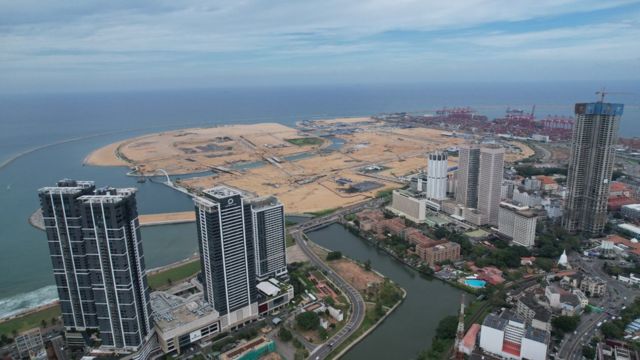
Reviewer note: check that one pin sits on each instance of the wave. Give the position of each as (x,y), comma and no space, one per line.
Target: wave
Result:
(26,301)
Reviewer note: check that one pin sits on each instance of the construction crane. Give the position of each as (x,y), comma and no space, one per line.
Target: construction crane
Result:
(602,93)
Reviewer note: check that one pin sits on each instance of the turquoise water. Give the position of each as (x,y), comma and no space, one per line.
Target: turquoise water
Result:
(475,283)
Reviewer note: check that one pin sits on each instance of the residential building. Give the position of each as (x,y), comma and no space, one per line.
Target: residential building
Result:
(63,226)
(30,344)
(592,286)
(410,205)
(438,252)
(631,211)
(437,170)
(225,239)
(547,183)
(267,217)
(115,258)
(518,223)
(591,165)
(507,336)
(533,312)
(532,184)
(98,262)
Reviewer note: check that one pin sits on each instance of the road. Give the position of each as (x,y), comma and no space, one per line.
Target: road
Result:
(617,295)
(358,308)
(357,302)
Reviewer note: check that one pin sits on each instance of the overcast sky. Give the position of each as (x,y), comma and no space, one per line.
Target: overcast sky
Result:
(49,45)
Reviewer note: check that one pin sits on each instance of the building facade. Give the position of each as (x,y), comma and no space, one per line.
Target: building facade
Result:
(518,223)
(62,223)
(98,262)
(111,234)
(267,216)
(438,166)
(409,205)
(226,243)
(490,181)
(591,165)
(467,176)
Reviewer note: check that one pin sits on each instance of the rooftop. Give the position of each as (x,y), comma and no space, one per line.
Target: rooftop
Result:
(264,202)
(171,312)
(221,192)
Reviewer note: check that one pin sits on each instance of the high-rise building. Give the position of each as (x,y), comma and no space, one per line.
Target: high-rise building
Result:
(98,261)
(479,179)
(467,175)
(62,223)
(490,181)
(437,175)
(595,133)
(111,237)
(226,242)
(269,238)
(518,223)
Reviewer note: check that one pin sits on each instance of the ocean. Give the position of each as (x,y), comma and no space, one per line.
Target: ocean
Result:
(45,137)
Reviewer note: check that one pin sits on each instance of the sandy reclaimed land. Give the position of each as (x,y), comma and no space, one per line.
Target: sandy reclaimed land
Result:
(105,156)
(167,218)
(305,183)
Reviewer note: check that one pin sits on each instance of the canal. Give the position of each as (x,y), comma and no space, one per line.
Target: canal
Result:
(410,328)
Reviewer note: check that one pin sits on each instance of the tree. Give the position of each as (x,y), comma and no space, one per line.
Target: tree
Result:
(334,255)
(612,330)
(169,281)
(367,265)
(43,323)
(447,327)
(284,334)
(308,320)
(565,324)
(588,352)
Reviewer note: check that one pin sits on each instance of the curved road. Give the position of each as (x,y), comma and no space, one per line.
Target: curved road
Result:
(357,302)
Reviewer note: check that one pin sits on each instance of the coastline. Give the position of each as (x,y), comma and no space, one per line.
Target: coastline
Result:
(180,217)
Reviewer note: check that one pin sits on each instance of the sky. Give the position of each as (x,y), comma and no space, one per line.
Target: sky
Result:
(167,44)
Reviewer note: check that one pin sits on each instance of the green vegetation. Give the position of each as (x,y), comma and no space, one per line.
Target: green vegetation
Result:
(554,241)
(323,212)
(386,194)
(308,320)
(11,327)
(290,240)
(528,170)
(615,329)
(334,255)
(565,324)
(165,278)
(284,334)
(589,352)
(306,141)
(442,341)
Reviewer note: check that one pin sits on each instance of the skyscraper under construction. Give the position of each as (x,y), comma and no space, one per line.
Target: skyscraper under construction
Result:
(591,165)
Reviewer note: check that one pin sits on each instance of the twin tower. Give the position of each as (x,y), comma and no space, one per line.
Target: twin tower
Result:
(98,261)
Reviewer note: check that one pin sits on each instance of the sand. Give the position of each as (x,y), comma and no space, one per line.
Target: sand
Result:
(105,156)
(167,218)
(305,184)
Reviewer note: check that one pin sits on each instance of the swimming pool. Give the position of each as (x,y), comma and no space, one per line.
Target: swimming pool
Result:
(475,283)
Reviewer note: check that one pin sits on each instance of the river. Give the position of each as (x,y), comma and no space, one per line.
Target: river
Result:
(410,328)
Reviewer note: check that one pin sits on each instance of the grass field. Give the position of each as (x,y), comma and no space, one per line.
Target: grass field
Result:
(29,321)
(306,141)
(161,279)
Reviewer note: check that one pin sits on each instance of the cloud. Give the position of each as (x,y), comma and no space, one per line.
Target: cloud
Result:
(147,37)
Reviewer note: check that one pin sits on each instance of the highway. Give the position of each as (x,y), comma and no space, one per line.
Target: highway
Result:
(358,308)
(617,295)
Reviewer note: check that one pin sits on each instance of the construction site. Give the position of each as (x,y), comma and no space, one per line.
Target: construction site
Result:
(318,165)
